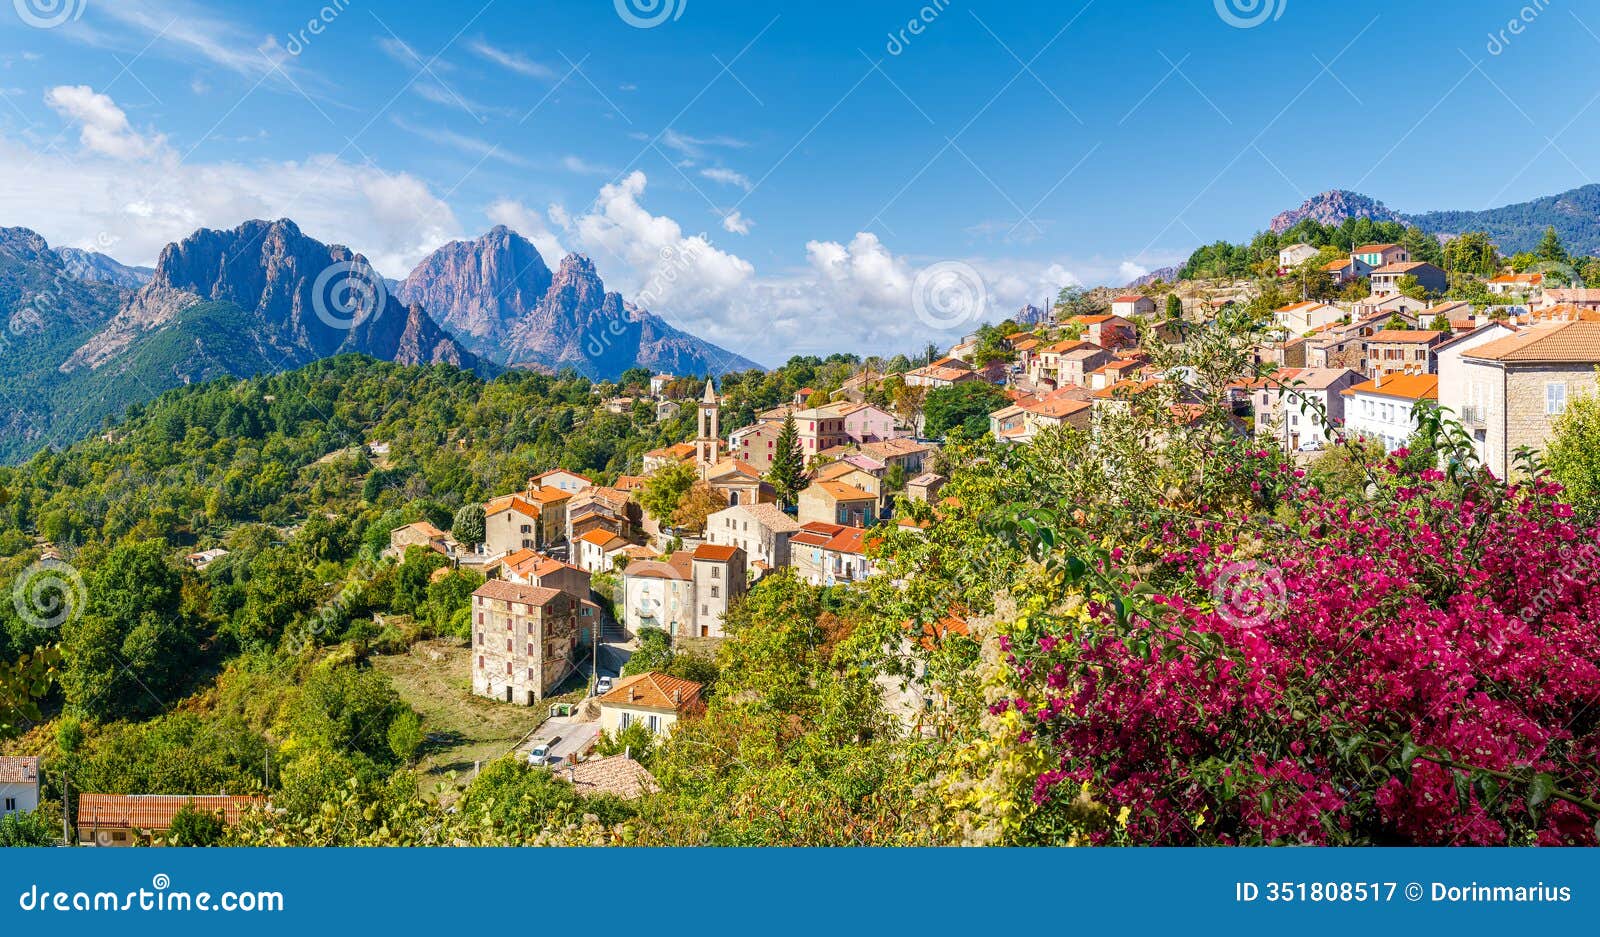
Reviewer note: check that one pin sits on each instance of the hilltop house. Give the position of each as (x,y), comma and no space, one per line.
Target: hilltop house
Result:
(1386,279)
(685,596)
(1516,284)
(756,445)
(719,577)
(1128,306)
(524,640)
(653,699)
(1380,255)
(1294,255)
(1300,318)
(596,551)
(1347,270)
(19,784)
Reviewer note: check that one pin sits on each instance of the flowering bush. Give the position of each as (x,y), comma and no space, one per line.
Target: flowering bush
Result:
(1422,666)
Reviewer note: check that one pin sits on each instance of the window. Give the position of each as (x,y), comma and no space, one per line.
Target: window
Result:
(11,804)
(714,592)
(1555,399)
(480,661)
(627,719)
(716,572)
(655,723)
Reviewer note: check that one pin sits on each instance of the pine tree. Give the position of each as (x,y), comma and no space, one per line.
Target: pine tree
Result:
(1550,249)
(1174,306)
(788,472)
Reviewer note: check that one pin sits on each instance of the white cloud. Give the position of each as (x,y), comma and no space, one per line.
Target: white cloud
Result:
(440,93)
(103,126)
(727,177)
(583,167)
(1130,271)
(138,195)
(695,147)
(473,146)
(515,61)
(736,223)
(192,32)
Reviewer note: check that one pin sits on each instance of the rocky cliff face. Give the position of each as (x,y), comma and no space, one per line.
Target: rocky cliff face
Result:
(1333,207)
(497,293)
(97,267)
(302,300)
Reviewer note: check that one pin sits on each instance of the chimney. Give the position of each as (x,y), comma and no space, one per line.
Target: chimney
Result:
(677,697)
(633,693)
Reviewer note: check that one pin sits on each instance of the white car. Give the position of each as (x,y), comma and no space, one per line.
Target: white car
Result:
(602,686)
(541,753)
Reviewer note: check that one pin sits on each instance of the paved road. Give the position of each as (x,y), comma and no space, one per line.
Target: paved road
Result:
(575,738)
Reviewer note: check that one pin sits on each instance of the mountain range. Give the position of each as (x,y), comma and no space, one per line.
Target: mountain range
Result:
(86,336)
(1575,214)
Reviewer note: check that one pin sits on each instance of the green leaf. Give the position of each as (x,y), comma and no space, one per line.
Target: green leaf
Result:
(1540,789)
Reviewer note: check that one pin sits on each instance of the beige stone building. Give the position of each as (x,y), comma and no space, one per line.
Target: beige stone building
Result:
(1517,386)
(524,641)
(719,578)
(762,531)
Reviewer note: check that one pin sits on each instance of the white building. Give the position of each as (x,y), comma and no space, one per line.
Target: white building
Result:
(19,784)
(1294,255)
(762,531)
(1384,408)
(1297,407)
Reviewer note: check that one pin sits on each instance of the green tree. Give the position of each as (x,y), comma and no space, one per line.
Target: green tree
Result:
(1411,287)
(192,827)
(636,741)
(967,405)
(405,736)
(664,490)
(1550,249)
(1174,306)
(468,524)
(1573,455)
(788,472)
(28,829)
(1440,323)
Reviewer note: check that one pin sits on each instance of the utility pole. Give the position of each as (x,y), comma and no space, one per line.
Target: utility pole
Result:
(66,810)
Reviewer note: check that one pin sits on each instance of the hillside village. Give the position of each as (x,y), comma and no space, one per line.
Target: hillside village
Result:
(592,604)
(1333,369)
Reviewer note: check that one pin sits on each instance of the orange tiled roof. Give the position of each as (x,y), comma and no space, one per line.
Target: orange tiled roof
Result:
(714,553)
(19,769)
(1403,386)
(1566,343)
(511,503)
(655,691)
(1405,336)
(155,811)
(503,591)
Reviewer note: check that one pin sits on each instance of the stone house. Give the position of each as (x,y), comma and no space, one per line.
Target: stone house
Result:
(597,550)
(806,550)
(659,594)
(524,641)
(719,577)
(1386,279)
(1402,351)
(1128,306)
(756,445)
(837,503)
(1297,405)
(762,531)
(1520,384)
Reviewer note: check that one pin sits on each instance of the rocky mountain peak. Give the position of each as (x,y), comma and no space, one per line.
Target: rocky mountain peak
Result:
(1332,207)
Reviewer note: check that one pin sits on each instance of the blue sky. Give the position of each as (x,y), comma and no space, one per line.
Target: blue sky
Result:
(809,159)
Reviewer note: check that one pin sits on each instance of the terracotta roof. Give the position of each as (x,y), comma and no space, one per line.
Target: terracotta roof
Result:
(19,769)
(893,447)
(1308,304)
(848,540)
(511,503)
(1530,278)
(1403,267)
(547,495)
(1403,386)
(935,632)
(421,527)
(638,552)
(155,811)
(655,691)
(1565,343)
(1405,336)
(678,450)
(1026,344)
(714,553)
(1337,264)
(1373,248)
(654,569)
(618,775)
(627,483)
(839,491)
(1056,407)
(816,533)
(560,472)
(604,539)
(1126,298)
(513,592)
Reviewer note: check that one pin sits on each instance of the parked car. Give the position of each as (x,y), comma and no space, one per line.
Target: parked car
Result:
(541,753)
(602,686)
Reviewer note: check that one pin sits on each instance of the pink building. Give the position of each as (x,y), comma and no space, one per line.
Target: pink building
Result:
(867,423)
